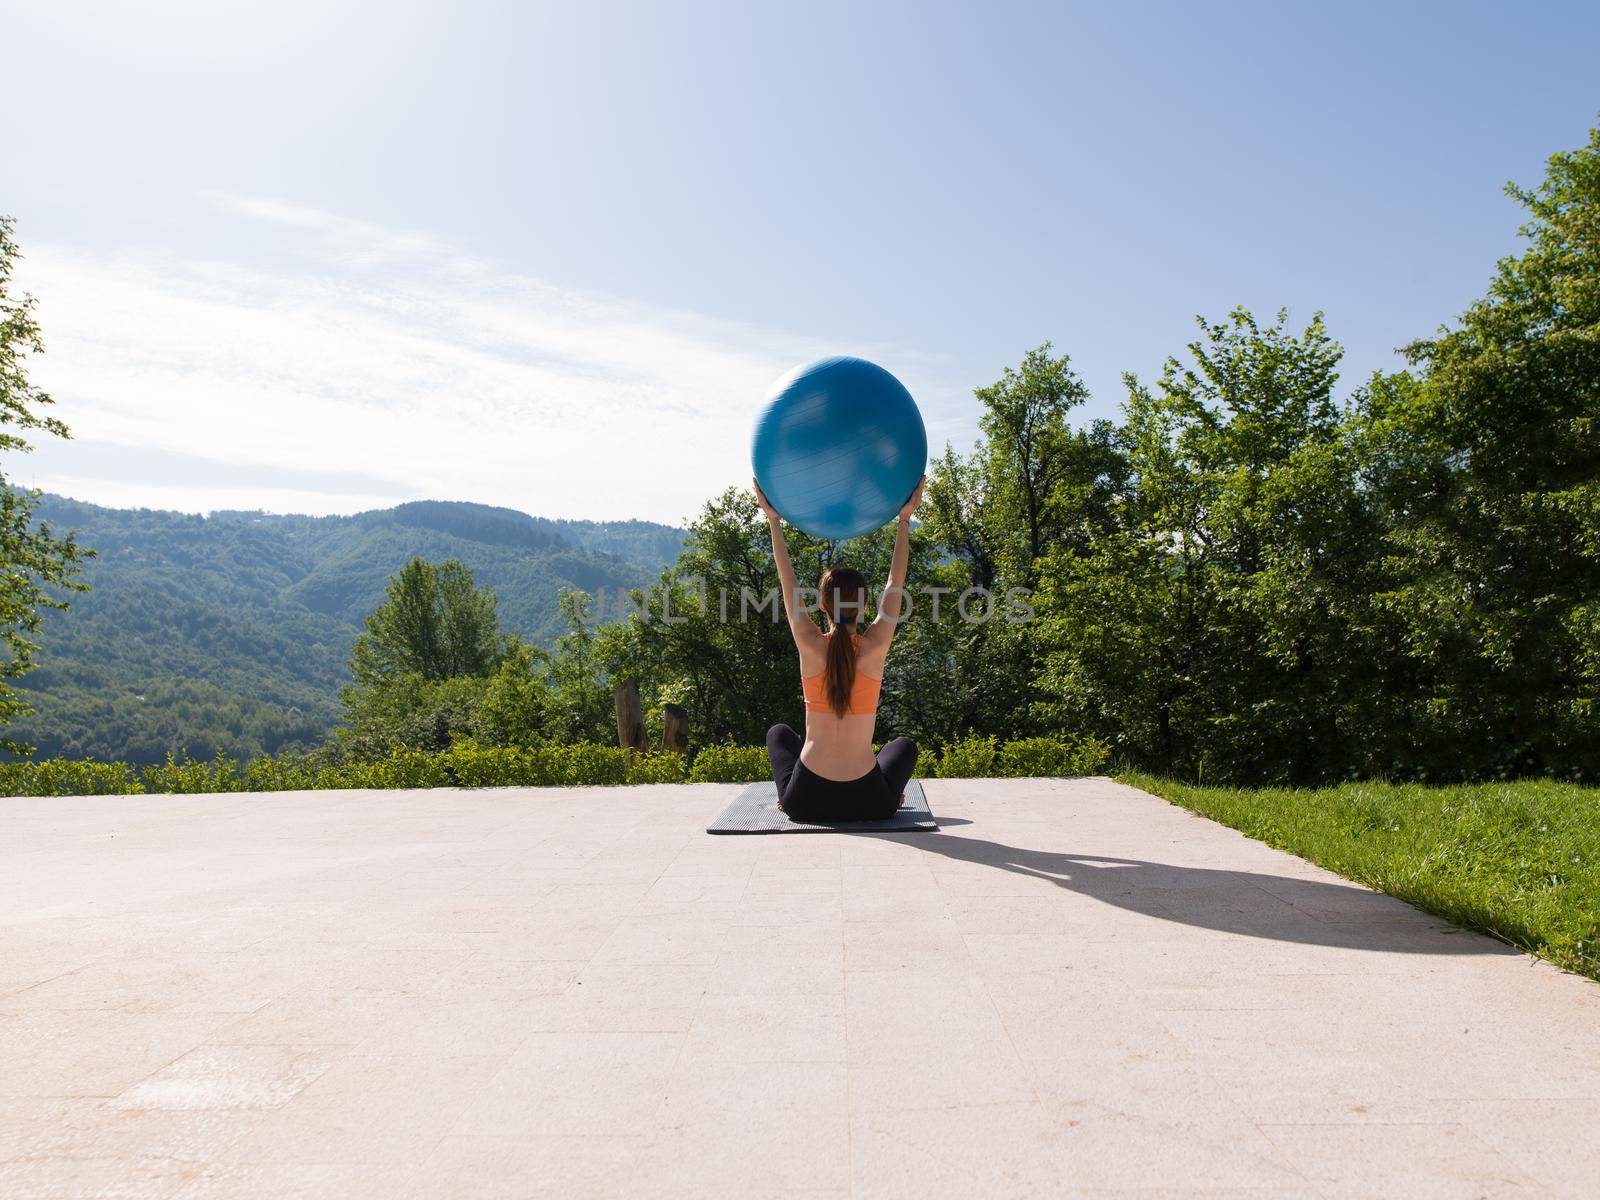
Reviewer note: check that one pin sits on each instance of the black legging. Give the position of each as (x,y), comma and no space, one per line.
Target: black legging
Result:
(807,796)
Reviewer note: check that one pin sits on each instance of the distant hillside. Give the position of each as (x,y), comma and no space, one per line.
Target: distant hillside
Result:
(231,632)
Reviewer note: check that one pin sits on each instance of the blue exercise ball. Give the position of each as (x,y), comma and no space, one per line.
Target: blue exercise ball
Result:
(839,447)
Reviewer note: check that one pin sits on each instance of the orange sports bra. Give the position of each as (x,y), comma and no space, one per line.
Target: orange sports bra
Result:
(863,692)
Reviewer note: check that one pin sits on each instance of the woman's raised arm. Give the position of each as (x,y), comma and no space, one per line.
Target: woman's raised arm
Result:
(800,623)
(894,591)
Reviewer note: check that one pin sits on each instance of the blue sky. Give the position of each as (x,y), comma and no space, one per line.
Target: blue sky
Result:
(320,257)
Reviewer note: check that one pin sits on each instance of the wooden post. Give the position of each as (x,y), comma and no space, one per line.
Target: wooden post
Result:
(630,716)
(674,728)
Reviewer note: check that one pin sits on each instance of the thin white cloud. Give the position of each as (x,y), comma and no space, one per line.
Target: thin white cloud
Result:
(383,354)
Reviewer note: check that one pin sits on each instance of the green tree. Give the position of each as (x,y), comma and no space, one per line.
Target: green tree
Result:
(423,663)
(1485,460)
(37,567)
(410,713)
(471,641)
(1032,487)
(1221,624)
(578,704)
(514,709)
(433,624)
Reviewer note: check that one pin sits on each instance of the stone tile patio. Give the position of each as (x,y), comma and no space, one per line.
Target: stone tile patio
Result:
(1074,989)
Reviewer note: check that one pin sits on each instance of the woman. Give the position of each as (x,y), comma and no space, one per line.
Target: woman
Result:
(835,776)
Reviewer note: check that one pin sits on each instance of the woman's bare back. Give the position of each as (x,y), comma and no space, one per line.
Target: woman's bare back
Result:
(841,747)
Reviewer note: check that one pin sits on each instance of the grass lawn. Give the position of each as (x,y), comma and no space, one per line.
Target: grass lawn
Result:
(1520,861)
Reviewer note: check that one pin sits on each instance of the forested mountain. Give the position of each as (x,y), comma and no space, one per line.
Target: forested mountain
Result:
(231,632)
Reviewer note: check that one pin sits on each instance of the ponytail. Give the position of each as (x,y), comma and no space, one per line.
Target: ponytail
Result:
(843,592)
(839,677)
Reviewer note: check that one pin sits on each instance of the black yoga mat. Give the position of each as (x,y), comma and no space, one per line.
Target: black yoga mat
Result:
(755,810)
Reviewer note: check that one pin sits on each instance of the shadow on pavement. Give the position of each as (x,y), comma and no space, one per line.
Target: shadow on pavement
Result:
(1248,903)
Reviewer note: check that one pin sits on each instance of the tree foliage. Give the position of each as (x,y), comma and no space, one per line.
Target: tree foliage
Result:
(38,568)
(419,668)
(1484,462)
(434,623)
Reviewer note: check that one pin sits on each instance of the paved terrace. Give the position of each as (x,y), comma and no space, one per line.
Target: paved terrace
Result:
(1074,989)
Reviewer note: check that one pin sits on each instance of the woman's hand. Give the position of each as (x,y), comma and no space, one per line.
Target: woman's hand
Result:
(910,505)
(766,506)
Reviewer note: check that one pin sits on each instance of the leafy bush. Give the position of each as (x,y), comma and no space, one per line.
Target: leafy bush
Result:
(68,777)
(586,763)
(1048,757)
(472,765)
(286,774)
(968,758)
(731,764)
(182,775)
(402,769)
(661,767)
(581,764)
(1035,757)
(545,764)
